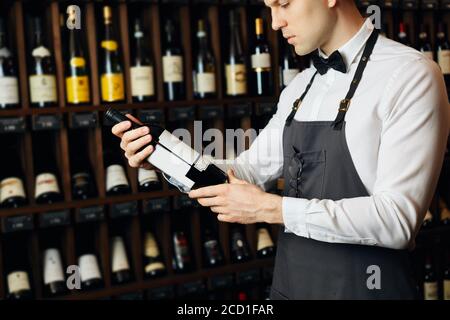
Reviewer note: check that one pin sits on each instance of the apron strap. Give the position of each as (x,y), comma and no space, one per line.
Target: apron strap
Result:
(345,103)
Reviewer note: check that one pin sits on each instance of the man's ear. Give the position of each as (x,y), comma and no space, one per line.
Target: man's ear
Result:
(332,3)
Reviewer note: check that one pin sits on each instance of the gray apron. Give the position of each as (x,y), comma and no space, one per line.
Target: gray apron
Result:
(318,164)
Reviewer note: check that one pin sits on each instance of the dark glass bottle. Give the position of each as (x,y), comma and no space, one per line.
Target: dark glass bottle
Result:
(424,42)
(142,70)
(42,79)
(212,252)
(174,86)
(443,52)
(53,267)
(205,67)
(239,247)
(446,284)
(153,262)
(289,66)
(120,264)
(428,221)
(116,178)
(262,79)
(403,35)
(265,245)
(112,79)
(9,95)
(148,180)
(430,285)
(444,212)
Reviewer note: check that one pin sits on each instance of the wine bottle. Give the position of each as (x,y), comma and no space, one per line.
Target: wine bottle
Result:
(235,65)
(289,67)
(90,274)
(428,221)
(116,178)
(42,72)
(443,52)
(17,266)
(446,286)
(9,95)
(211,249)
(12,191)
(46,183)
(54,279)
(77,75)
(261,62)
(112,80)
(120,265)
(182,257)
(172,64)
(444,212)
(153,262)
(403,35)
(430,285)
(239,246)
(141,71)
(83,185)
(148,180)
(205,68)
(265,246)
(424,43)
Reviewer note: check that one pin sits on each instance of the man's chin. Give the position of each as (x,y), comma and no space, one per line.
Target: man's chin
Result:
(302,50)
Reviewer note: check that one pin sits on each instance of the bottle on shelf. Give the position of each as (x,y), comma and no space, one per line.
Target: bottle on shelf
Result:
(212,251)
(261,62)
(182,256)
(148,180)
(83,185)
(403,35)
(53,267)
(141,70)
(289,66)
(428,221)
(153,261)
(116,178)
(90,274)
(46,189)
(265,246)
(174,86)
(443,52)
(240,251)
(120,264)
(12,191)
(424,42)
(77,74)
(235,64)
(112,79)
(42,79)
(9,95)
(17,266)
(430,285)
(205,67)
(444,212)
(446,284)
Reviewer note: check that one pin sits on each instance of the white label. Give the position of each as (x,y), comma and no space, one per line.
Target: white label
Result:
(9,93)
(5,53)
(264,240)
(206,82)
(18,281)
(53,269)
(430,290)
(115,176)
(289,75)
(142,81)
(43,88)
(119,255)
(89,267)
(261,60)
(41,52)
(173,68)
(444,61)
(150,247)
(11,187)
(45,182)
(145,175)
(154,266)
(446,289)
(236,75)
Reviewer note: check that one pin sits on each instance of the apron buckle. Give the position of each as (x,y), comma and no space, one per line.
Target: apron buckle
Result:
(345,103)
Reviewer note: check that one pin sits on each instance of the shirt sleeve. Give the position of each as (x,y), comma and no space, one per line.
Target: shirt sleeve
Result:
(412,146)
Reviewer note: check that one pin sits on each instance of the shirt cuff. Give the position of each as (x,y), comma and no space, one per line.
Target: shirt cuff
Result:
(294,215)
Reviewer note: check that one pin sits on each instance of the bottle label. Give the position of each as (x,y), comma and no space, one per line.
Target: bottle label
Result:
(18,281)
(445,214)
(430,290)
(428,216)
(289,75)
(115,176)
(40,52)
(11,187)
(154,266)
(151,248)
(261,62)
(80,179)
(142,81)
(236,79)
(10,90)
(206,82)
(77,89)
(446,289)
(53,269)
(444,61)
(46,182)
(43,88)
(119,255)
(264,239)
(77,62)
(109,45)
(173,69)
(145,176)
(89,267)
(5,53)
(112,87)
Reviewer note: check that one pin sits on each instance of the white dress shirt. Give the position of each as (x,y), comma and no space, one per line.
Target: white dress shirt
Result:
(396,131)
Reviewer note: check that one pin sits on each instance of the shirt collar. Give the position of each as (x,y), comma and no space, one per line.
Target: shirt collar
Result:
(350,50)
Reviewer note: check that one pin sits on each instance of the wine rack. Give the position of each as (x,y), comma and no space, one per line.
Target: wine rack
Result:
(25,122)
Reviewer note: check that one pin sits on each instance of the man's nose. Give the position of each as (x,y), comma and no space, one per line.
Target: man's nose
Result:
(278,22)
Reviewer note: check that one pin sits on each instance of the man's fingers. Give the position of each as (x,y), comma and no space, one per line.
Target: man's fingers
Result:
(211,191)
(136,160)
(134,134)
(209,202)
(233,179)
(135,145)
(119,129)
(129,116)
(224,217)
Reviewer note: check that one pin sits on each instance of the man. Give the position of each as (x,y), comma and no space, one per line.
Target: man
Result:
(359,139)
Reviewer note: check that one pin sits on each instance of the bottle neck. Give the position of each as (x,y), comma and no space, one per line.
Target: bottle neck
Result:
(2,39)
(75,49)
(38,39)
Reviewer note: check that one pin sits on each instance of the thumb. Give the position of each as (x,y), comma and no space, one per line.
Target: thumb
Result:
(233,179)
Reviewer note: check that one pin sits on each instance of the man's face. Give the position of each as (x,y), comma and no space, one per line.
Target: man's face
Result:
(306,24)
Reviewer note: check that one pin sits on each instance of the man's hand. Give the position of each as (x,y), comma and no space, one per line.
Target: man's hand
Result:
(240,202)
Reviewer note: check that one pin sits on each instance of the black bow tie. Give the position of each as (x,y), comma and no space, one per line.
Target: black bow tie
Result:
(334,61)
